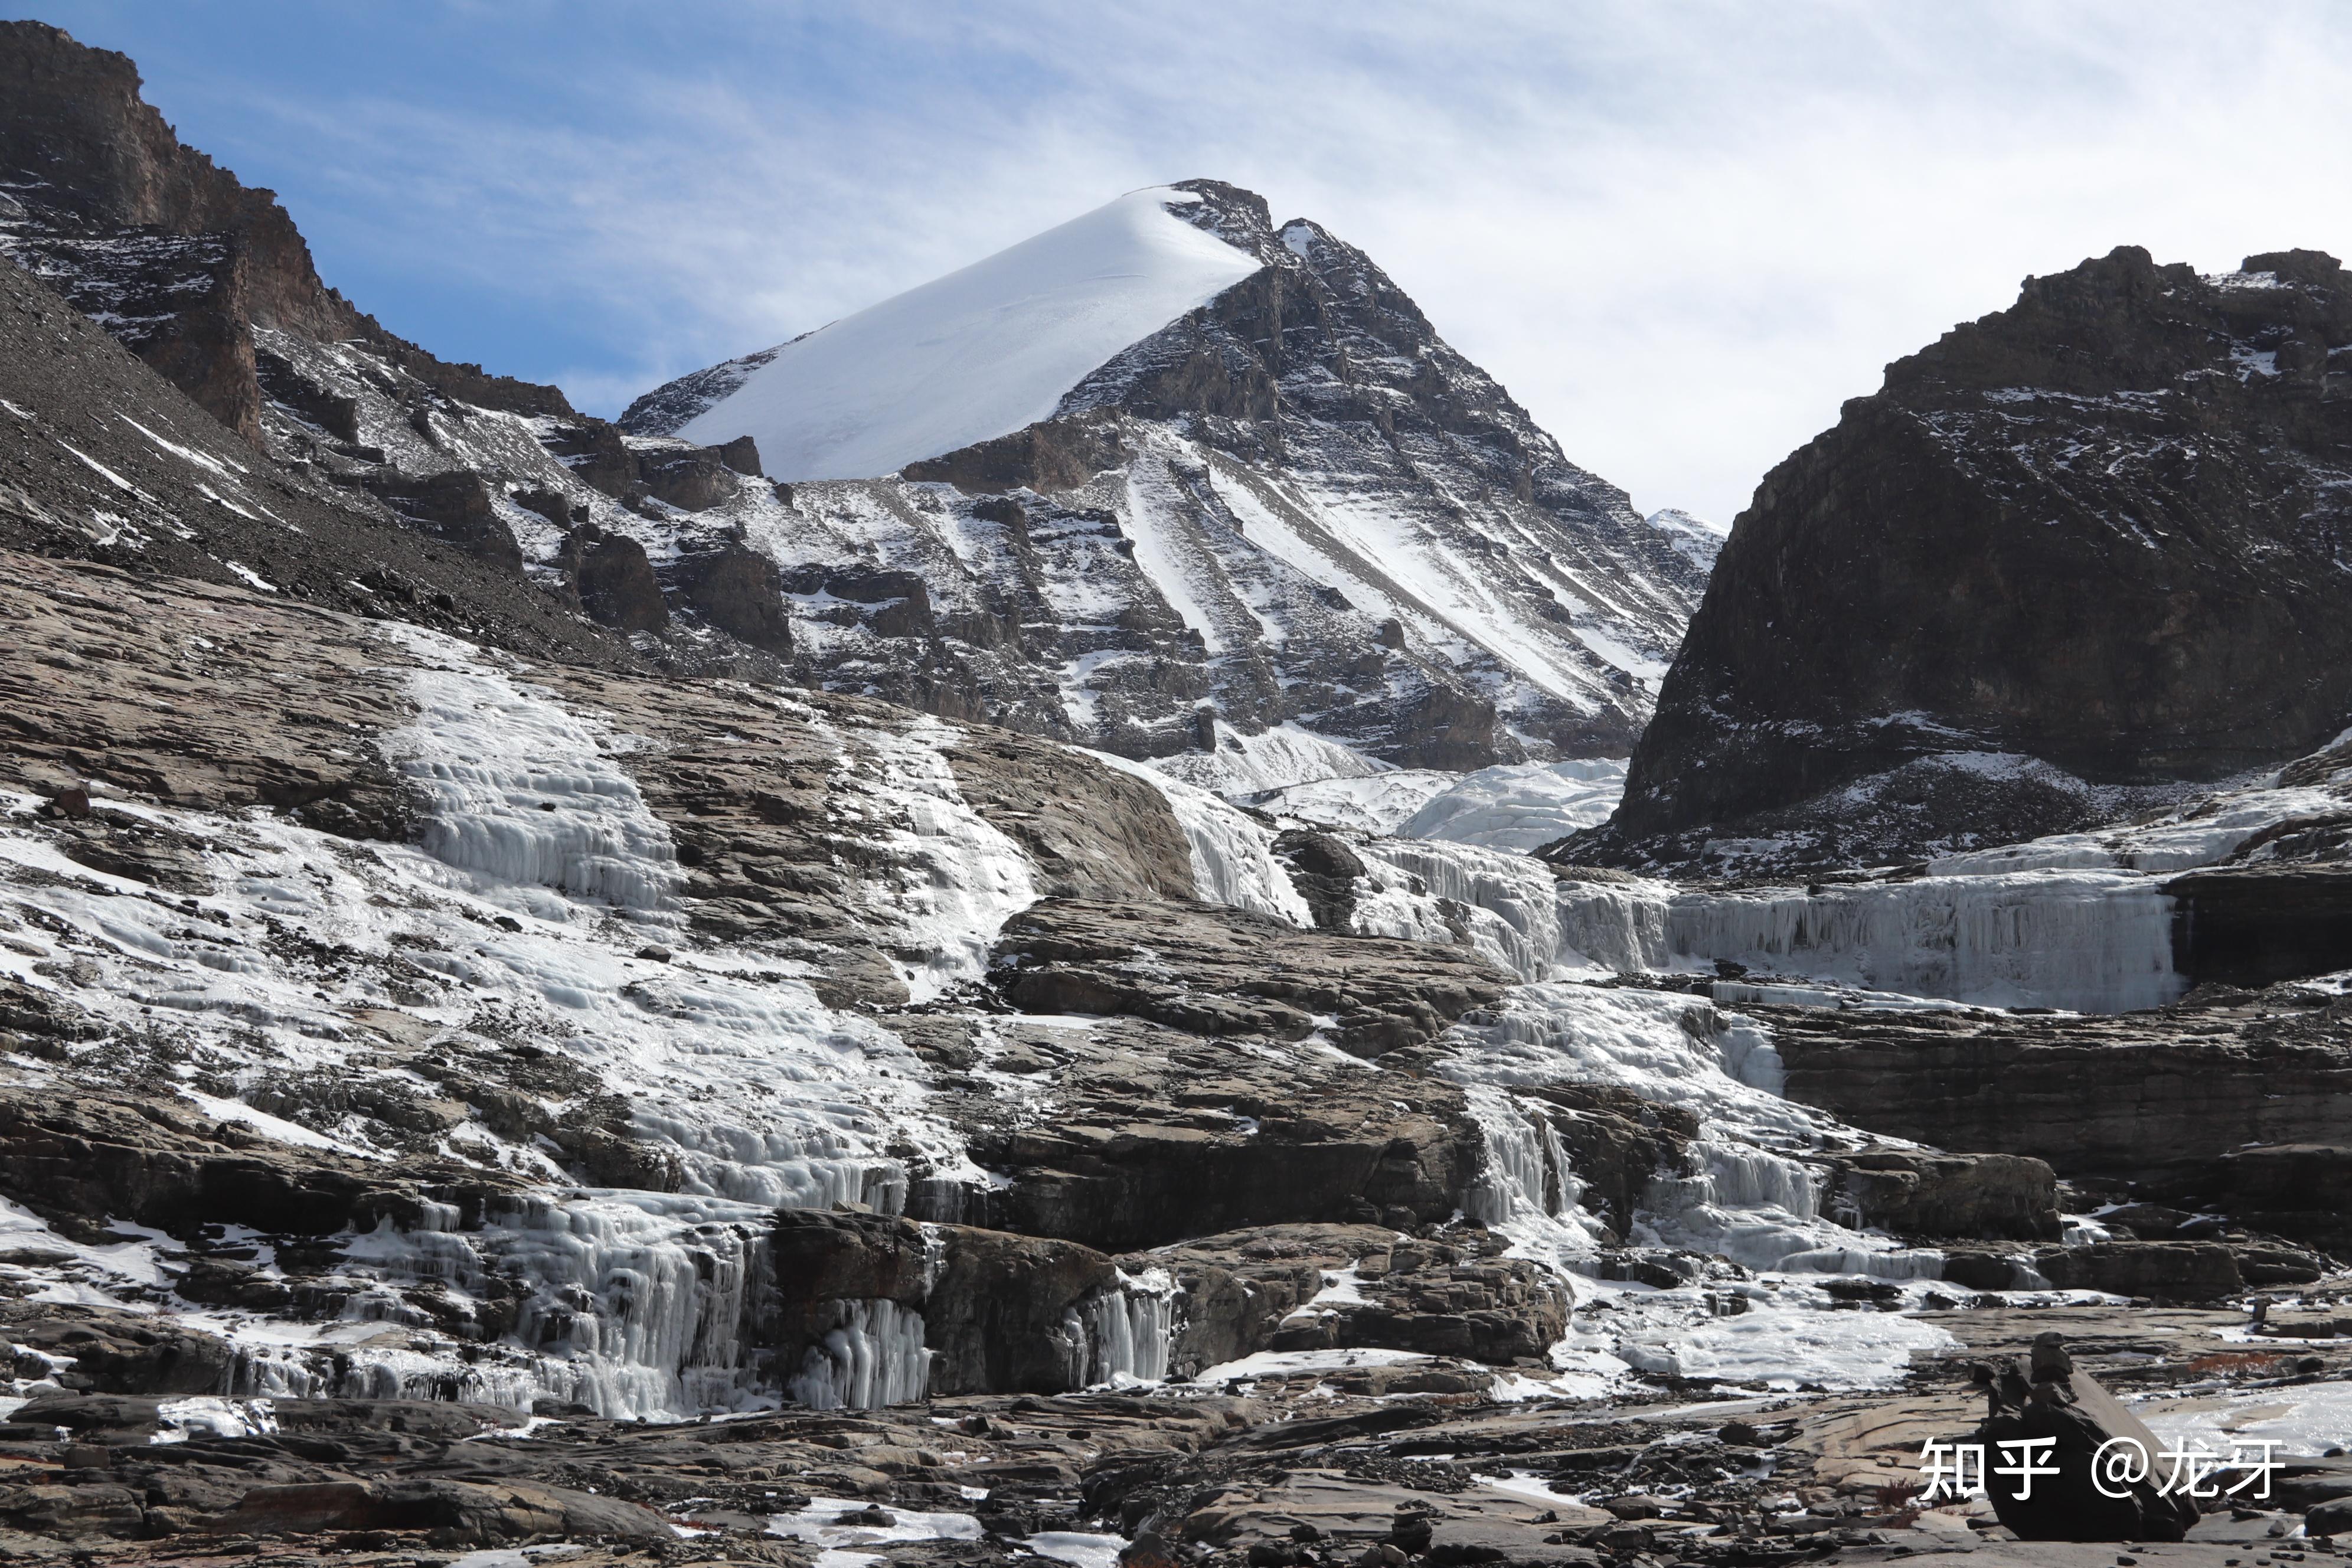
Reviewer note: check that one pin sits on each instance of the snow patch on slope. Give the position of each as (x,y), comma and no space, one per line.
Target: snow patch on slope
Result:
(979,353)
(1285,755)
(1522,807)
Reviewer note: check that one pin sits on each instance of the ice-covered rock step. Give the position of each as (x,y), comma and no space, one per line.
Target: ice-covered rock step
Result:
(869,1311)
(2093,941)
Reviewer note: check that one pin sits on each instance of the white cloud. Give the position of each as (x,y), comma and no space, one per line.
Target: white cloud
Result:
(1681,233)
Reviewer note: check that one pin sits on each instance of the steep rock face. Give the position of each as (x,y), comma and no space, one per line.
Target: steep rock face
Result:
(101,194)
(2099,538)
(104,460)
(210,283)
(2181,1105)
(1292,503)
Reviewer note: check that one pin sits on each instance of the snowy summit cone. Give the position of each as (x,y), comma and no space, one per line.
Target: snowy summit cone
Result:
(975,354)
(1170,478)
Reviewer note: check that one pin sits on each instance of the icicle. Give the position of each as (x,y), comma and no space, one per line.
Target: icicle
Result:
(2095,941)
(873,1356)
(1130,1330)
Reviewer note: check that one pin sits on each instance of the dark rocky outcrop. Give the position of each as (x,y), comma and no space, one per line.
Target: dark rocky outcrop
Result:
(737,589)
(615,580)
(1256,1290)
(1325,871)
(2250,925)
(2185,1102)
(1142,1135)
(97,171)
(114,464)
(1934,1195)
(81,1161)
(995,1306)
(455,507)
(2100,530)
(2043,1396)
(1617,1143)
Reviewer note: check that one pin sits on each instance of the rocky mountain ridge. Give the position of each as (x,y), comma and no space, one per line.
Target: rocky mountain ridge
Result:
(1295,504)
(2071,558)
(488,1061)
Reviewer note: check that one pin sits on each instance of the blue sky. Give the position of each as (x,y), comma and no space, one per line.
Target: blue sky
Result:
(1681,233)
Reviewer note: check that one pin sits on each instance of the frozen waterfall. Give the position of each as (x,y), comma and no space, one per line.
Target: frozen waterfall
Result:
(872,1356)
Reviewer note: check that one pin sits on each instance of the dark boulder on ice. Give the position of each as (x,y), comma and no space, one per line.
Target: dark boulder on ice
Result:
(2042,1398)
(2091,541)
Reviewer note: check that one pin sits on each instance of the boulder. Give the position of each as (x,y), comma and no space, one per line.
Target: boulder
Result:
(2043,1397)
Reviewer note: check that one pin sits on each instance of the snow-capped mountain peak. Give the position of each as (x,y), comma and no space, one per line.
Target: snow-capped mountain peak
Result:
(978,353)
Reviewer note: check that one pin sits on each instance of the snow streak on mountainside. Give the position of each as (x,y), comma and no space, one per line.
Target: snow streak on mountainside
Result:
(977,353)
(1285,499)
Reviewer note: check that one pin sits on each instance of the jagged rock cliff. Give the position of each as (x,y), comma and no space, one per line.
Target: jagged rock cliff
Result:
(1292,503)
(545,512)
(2080,550)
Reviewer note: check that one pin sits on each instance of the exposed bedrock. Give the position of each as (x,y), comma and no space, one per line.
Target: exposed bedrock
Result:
(84,1160)
(1935,1196)
(739,591)
(2253,925)
(1217,971)
(2098,530)
(996,1309)
(1315,1287)
(2233,1102)
(1124,1134)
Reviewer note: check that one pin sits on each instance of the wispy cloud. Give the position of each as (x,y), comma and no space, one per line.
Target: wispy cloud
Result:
(1681,233)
